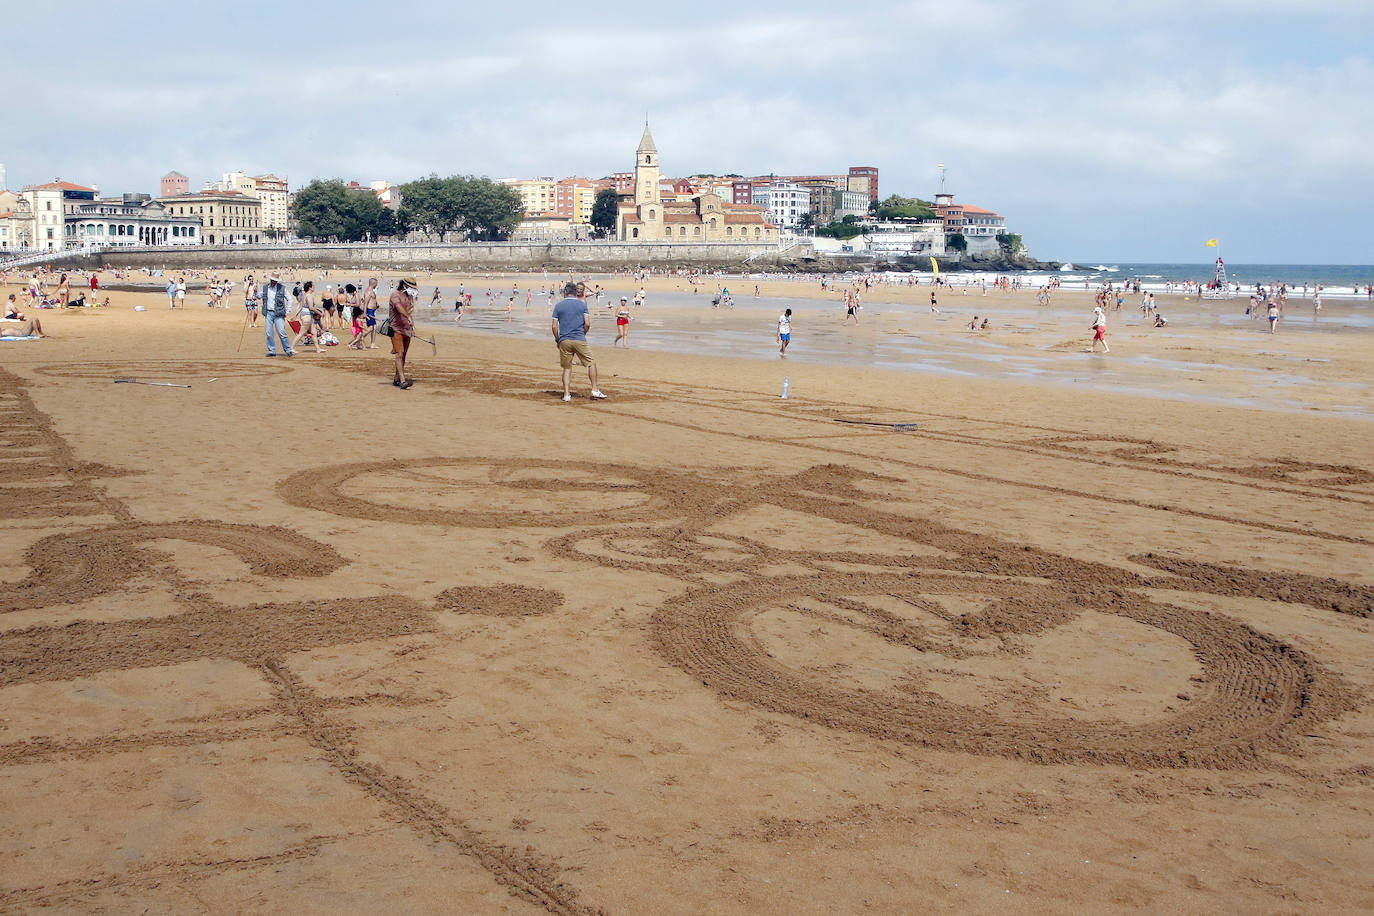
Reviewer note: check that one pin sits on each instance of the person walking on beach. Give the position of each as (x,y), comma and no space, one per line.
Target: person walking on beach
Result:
(1273,316)
(784,331)
(181,291)
(622,323)
(274,297)
(400,305)
(570,324)
(1099,330)
(305,319)
(171,293)
(369,303)
(250,299)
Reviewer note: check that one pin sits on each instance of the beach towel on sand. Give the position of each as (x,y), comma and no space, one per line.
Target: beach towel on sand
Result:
(30,337)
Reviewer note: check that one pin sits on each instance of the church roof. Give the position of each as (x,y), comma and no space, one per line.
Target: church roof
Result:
(646,142)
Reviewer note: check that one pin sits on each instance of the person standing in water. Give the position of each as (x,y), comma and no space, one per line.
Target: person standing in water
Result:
(1099,330)
(784,331)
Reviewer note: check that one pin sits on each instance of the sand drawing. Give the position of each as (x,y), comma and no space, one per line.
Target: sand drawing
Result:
(85,563)
(1255,694)
(164,370)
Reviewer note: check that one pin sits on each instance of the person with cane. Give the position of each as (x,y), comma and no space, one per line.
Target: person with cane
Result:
(274,297)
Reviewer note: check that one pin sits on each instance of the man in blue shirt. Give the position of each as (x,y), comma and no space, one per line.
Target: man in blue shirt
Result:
(571,322)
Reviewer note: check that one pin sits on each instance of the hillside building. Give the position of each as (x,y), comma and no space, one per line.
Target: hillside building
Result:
(968,220)
(643,214)
(787,203)
(863,178)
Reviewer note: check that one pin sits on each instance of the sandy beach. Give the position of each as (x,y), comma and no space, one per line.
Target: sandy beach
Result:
(1094,636)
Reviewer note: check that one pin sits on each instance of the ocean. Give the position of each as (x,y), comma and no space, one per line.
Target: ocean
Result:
(1337,279)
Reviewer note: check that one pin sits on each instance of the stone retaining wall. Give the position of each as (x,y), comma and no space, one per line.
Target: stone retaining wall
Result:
(589,256)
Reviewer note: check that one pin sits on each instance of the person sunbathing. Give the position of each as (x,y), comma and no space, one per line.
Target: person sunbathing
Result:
(12,312)
(33,328)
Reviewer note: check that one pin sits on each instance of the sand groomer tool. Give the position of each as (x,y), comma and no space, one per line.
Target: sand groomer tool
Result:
(134,381)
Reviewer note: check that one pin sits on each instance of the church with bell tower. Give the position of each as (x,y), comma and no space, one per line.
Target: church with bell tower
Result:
(643,216)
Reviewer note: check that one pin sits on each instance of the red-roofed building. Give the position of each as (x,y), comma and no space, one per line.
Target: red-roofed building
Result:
(967,219)
(646,216)
(49,204)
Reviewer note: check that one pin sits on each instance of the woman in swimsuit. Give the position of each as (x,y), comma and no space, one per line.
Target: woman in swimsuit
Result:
(328,302)
(622,323)
(306,315)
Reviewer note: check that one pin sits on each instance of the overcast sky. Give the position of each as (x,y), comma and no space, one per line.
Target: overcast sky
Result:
(1119,132)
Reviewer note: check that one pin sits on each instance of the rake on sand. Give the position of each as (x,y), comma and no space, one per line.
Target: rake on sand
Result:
(134,381)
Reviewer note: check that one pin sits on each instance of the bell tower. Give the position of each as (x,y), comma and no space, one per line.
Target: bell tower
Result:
(646,170)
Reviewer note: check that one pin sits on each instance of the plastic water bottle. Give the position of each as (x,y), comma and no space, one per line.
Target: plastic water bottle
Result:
(786,382)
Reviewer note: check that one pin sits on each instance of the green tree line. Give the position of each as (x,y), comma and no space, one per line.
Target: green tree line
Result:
(483,209)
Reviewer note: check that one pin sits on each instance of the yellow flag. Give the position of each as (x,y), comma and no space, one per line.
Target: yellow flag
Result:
(935,269)
(1211,243)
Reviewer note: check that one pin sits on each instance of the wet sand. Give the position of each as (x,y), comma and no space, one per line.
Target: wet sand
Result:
(292,639)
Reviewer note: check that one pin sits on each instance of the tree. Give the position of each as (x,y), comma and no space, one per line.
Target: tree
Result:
(956,241)
(846,228)
(898,207)
(605,211)
(490,210)
(484,208)
(807,220)
(328,209)
(1010,242)
(429,204)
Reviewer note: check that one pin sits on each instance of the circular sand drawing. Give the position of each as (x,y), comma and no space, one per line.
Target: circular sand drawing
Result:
(475,493)
(1253,693)
(171,370)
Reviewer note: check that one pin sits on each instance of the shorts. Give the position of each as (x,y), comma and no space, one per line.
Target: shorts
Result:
(568,350)
(785,337)
(1100,332)
(622,321)
(399,343)
(251,306)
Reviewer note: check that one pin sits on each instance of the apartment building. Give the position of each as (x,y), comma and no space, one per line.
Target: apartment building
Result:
(226,217)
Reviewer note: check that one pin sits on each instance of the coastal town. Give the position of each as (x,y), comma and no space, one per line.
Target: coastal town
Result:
(608,459)
(836,213)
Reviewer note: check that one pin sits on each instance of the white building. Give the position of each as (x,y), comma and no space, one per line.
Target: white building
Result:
(389,196)
(786,203)
(46,204)
(271,190)
(128,221)
(980,222)
(924,237)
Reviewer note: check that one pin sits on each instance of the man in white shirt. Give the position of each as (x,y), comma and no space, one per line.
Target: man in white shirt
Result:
(784,331)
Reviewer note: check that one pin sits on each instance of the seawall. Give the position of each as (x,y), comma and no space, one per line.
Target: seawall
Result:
(589,256)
